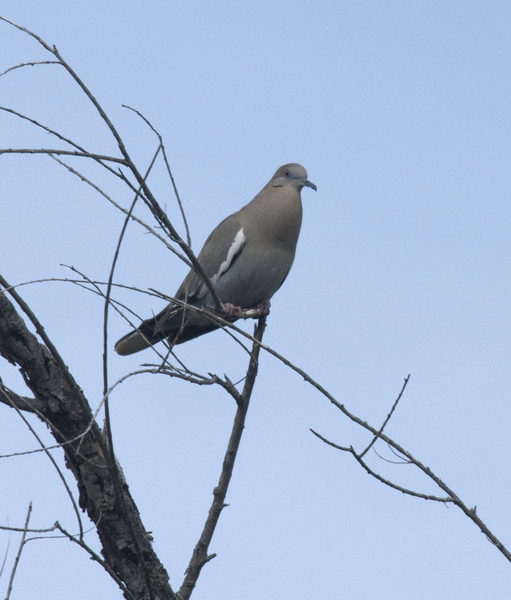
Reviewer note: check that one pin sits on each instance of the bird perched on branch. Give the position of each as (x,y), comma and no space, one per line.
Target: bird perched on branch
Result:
(247,258)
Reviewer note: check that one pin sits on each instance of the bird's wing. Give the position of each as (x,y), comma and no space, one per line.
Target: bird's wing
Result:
(221,250)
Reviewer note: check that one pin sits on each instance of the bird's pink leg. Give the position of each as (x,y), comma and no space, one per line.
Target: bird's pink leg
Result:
(263,309)
(231,311)
(236,312)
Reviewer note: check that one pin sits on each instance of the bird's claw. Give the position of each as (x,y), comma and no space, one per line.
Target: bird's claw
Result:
(236,312)
(263,309)
(231,311)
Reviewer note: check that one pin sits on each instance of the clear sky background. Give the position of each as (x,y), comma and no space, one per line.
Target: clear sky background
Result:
(400,112)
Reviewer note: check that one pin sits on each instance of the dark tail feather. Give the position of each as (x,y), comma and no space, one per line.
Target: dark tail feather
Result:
(140,339)
(164,325)
(132,342)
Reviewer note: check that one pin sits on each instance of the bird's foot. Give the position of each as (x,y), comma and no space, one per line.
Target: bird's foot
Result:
(231,311)
(263,309)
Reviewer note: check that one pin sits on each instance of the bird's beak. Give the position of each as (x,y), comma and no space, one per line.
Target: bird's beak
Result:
(308,183)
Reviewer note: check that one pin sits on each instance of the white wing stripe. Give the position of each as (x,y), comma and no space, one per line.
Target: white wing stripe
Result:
(236,246)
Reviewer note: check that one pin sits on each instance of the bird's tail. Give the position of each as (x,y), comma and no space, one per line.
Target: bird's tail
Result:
(132,342)
(170,325)
(147,334)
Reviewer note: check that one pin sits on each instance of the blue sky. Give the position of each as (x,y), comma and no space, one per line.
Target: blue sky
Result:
(400,113)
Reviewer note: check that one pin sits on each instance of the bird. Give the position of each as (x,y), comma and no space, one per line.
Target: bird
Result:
(247,257)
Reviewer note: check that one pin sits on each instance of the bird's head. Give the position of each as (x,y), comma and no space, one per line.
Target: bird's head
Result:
(292,174)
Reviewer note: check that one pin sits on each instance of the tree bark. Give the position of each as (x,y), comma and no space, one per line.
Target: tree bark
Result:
(103,493)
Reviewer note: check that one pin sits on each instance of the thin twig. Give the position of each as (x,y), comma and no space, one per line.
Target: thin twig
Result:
(109,290)
(54,463)
(108,428)
(6,553)
(407,379)
(98,559)
(358,458)
(98,157)
(124,210)
(176,193)
(44,127)
(31,64)
(18,556)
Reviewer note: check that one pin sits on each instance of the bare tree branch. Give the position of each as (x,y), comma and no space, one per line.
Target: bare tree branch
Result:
(200,554)
(20,550)
(30,64)
(59,402)
(161,145)
(66,409)
(394,406)
(148,197)
(47,129)
(10,398)
(124,210)
(452,497)
(49,151)
(57,468)
(127,593)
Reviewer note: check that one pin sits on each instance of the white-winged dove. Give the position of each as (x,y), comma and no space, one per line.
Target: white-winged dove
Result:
(247,257)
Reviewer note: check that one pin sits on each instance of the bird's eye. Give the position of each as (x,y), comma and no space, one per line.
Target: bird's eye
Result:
(287,174)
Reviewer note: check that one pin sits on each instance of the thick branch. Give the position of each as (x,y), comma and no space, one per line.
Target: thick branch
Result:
(10,398)
(64,407)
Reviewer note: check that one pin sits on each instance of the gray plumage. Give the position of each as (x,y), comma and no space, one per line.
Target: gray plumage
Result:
(247,257)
